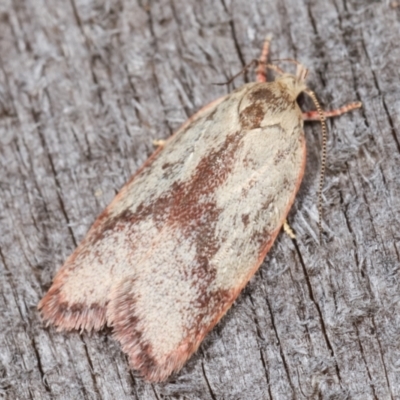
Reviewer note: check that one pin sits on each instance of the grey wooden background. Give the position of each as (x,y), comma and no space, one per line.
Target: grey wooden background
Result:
(86,85)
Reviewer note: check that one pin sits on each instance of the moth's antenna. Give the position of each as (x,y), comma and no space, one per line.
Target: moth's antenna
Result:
(250,64)
(291,60)
(323,157)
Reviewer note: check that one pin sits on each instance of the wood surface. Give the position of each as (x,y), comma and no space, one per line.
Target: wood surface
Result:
(86,86)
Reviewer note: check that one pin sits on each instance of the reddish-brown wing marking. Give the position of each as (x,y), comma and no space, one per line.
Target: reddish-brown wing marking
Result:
(166,259)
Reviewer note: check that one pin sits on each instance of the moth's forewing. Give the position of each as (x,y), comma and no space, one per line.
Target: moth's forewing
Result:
(164,262)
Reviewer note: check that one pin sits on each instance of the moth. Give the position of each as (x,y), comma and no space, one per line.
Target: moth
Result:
(167,258)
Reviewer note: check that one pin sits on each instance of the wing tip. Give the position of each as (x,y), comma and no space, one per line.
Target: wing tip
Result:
(70,316)
(143,356)
(157,371)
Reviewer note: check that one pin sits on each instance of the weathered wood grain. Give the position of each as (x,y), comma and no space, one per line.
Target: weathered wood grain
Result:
(86,85)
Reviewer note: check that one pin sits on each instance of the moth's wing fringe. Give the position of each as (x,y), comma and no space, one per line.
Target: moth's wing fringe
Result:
(56,310)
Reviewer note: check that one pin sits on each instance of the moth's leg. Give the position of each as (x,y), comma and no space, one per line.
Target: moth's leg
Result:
(314,116)
(263,60)
(288,230)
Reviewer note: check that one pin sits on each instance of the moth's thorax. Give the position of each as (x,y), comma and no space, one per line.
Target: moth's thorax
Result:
(273,103)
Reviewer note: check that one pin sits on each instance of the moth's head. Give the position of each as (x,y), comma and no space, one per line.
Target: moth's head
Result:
(294,84)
